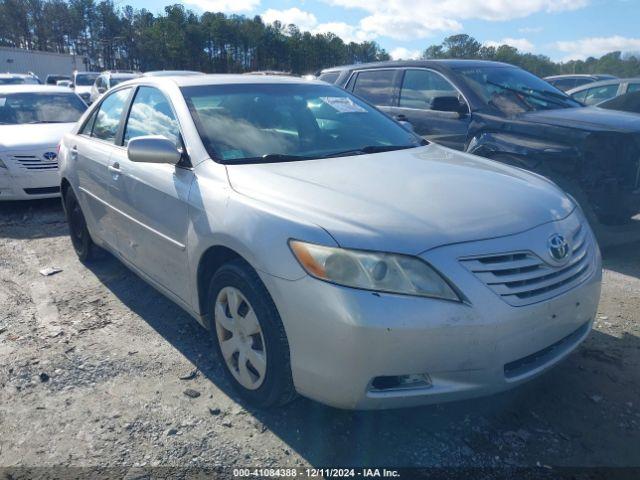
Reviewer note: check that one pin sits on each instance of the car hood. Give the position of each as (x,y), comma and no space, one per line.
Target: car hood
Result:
(586,118)
(26,136)
(405,201)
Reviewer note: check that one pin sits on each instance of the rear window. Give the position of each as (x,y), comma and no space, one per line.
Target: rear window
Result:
(375,86)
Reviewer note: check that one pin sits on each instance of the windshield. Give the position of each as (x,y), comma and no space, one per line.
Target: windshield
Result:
(513,90)
(85,79)
(12,81)
(280,122)
(19,108)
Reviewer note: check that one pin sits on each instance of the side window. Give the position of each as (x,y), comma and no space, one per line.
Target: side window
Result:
(375,86)
(108,119)
(565,84)
(420,87)
(600,94)
(151,114)
(88,126)
(580,96)
(633,87)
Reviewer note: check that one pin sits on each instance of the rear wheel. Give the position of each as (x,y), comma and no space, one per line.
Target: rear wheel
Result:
(249,336)
(80,237)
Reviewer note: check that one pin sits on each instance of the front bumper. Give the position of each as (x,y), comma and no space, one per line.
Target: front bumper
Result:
(29,186)
(341,339)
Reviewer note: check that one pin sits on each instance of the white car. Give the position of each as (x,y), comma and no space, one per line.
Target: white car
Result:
(33,119)
(82,84)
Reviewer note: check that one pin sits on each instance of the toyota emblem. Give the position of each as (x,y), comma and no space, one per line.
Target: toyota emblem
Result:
(558,247)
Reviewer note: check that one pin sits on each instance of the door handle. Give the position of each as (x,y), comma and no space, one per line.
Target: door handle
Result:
(74,152)
(115,168)
(401,118)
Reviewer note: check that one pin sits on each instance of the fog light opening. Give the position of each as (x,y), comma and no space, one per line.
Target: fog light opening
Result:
(400,382)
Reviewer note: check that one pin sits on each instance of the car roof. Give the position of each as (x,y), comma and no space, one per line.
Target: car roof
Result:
(33,88)
(169,73)
(220,79)
(447,63)
(15,75)
(582,75)
(603,83)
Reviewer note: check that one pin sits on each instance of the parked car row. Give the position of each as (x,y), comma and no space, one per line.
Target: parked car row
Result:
(598,92)
(331,251)
(506,114)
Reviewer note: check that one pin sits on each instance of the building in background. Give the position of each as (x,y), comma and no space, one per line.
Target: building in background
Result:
(18,60)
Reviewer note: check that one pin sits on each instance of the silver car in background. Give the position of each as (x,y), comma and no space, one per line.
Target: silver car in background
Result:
(33,119)
(330,252)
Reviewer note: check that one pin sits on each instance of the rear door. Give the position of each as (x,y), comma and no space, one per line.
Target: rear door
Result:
(378,87)
(91,151)
(151,199)
(418,89)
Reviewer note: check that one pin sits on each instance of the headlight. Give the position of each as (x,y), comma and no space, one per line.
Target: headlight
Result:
(380,272)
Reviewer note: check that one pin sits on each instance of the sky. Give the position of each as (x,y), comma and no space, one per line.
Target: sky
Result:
(561,29)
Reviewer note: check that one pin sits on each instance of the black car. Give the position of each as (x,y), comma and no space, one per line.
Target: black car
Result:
(504,113)
(629,102)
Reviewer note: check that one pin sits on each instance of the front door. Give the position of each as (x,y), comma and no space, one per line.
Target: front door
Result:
(418,89)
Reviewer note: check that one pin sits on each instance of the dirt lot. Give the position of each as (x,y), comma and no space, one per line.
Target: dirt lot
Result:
(95,365)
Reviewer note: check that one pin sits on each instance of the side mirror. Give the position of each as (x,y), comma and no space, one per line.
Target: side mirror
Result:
(153,149)
(449,104)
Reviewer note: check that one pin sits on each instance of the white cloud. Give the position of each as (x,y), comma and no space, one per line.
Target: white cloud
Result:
(521,44)
(402,53)
(304,20)
(224,5)
(596,46)
(416,19)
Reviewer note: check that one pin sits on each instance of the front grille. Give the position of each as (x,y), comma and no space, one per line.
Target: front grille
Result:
(34,162)
(523,278)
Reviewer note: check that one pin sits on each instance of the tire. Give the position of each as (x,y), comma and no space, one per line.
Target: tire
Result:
(275,386)
(85,249)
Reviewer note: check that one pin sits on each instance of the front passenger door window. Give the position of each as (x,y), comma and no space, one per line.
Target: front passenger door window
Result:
(419,89)
(151,114)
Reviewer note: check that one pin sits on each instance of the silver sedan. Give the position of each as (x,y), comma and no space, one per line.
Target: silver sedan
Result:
(330,251)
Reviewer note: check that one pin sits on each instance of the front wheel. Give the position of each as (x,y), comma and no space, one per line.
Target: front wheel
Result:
(249,336)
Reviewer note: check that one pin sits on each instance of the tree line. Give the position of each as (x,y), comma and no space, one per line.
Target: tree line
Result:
(112,37)
(465,46)
(127,38)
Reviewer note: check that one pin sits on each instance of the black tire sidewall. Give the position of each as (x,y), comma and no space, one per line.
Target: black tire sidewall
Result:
(81,246)
(277,386)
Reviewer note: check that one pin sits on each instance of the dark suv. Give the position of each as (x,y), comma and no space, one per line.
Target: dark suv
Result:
(504,113)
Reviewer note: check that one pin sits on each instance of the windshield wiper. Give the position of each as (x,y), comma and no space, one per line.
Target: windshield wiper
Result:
(524,92)
(370,149)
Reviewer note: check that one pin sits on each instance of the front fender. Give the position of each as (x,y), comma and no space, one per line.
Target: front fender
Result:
(531,151)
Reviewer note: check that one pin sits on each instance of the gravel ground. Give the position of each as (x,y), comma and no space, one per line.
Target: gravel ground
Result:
(100,369)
